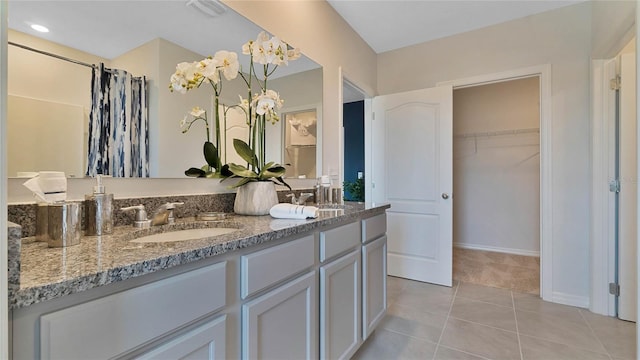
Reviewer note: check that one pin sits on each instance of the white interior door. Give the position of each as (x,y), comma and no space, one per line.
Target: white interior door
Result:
(411,162)
(627,220)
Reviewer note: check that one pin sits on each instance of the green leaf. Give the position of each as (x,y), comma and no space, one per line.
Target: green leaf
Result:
(241,171)
(195,172)
(241,182)
(225,172)
(273,172)
(282,182)
(211,154)
(245,152)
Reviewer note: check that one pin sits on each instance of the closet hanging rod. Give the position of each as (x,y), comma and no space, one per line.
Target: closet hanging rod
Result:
(94,66)
(497,133)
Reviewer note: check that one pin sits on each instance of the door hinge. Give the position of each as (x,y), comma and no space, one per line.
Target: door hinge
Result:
(373,116)
(614,84)
(614,186)
(614,289)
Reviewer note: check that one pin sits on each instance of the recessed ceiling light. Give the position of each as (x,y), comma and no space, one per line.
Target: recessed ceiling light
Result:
(40,28)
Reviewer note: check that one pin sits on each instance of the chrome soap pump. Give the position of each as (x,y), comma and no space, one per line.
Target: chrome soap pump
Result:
(98,209)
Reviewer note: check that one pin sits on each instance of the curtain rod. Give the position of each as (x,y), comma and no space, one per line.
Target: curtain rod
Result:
(63,58)
(52,55)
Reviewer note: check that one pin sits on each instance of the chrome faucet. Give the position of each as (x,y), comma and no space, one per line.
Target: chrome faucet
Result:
(301,200)
(164,214)
(161,216)
(140,220)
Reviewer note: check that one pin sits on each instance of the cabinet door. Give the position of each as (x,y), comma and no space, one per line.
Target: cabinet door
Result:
(282,324)
(374,284)
(204,342)
(340,307)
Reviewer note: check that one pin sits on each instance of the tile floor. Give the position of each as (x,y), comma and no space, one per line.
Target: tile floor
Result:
(469,321)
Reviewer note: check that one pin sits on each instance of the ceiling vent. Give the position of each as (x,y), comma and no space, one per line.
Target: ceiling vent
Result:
(210,8)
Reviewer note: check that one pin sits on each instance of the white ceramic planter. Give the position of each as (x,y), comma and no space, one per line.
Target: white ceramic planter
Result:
(255,198)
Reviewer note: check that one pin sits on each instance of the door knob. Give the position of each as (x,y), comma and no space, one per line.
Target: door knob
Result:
(445,196)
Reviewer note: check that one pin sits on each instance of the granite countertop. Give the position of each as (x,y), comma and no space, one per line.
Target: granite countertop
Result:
(49,273)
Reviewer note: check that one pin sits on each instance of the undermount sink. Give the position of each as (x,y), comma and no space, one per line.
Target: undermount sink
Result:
(184,235)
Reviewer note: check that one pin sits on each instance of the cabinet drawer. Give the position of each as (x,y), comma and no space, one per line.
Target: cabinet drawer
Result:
(267,267)
(374,227)
(339,240)
(117,323)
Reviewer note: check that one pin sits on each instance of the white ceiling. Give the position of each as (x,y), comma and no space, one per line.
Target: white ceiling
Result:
(388,25)
(110,28)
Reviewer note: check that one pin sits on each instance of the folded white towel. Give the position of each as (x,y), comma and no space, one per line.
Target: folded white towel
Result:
(290,211)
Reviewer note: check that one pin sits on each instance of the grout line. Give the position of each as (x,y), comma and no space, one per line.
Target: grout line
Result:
(466,352)
(513,302)
(407,335)
(453,298)
(486,302)
(567,345)
(485,325)
(593,332)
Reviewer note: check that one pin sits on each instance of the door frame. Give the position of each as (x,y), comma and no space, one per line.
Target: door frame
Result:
(546,200)
(602,229)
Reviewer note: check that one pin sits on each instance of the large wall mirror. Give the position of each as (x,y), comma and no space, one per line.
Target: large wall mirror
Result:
(50,98)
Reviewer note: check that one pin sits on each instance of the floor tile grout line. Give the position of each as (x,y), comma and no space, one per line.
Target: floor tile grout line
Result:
(486,302)
(515,316)
(593,332)
(409,336)
(567,345)
(481,324)
(446,320)
(465,351)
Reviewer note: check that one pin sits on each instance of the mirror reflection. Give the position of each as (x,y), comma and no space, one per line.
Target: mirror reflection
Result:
(49,98)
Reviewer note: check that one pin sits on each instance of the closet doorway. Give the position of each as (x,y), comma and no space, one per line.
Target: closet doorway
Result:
(496,180)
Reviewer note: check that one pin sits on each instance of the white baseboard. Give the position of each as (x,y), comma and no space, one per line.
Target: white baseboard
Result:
(572,300)
(497,249)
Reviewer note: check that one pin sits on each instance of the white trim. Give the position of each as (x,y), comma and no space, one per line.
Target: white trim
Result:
(4,305)
(571,300)
(367,133)
(546,199)
(497,249)
(602,262)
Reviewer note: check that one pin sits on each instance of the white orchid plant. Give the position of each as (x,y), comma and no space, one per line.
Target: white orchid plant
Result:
(270,52)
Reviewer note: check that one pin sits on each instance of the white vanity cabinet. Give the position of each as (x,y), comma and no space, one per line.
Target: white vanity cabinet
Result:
(316,294)
(340,292)
(282,323)
(114,324)
(374,270)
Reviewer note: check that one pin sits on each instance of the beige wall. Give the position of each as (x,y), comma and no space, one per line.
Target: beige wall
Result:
(561,38)
(496,178)
(327,39)
(48,107)
(507,105)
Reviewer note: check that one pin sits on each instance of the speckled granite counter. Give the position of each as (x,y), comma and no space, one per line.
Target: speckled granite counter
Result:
(49,273)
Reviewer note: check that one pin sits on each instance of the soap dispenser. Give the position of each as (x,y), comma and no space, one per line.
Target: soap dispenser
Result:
(98,211)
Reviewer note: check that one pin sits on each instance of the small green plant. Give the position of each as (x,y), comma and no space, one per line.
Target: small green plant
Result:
(355,189)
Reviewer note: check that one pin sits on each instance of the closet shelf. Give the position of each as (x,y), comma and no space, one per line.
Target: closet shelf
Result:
(498,133)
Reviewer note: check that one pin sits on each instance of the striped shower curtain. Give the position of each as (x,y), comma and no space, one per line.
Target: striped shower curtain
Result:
(118,125)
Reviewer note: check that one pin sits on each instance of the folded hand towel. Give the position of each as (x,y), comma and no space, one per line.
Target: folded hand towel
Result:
(290,211)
